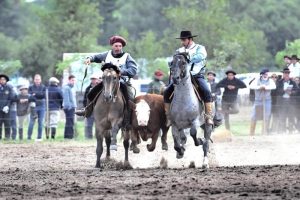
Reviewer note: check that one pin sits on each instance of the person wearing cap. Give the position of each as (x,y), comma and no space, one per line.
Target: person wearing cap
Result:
(262,87)
(157,86)
(6,95)
(25,105)
(38,91)
(286,90)
(55,100)
(231,86)
(128,69)
(197,56)
(95,78)
(294,67)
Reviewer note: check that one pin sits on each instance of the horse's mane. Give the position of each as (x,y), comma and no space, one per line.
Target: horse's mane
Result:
(184,54)
(110,66)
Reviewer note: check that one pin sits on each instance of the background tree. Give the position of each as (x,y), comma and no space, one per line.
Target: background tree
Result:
(228,41)
(279,20)
(62,26)
(292,48)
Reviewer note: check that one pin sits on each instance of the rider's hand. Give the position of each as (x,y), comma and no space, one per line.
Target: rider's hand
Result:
(87,61)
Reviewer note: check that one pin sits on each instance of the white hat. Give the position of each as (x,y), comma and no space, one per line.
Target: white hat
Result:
(22,87)
(96,75)
(53,80)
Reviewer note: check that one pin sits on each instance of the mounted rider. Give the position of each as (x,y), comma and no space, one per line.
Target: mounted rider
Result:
(128,69)
(197,59)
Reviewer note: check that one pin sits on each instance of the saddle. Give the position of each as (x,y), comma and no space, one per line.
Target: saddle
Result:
(195,87)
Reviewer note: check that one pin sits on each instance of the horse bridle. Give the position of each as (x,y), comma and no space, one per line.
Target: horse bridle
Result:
(116,87)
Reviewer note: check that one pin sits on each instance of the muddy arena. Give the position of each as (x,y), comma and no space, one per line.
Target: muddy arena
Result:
(262,167)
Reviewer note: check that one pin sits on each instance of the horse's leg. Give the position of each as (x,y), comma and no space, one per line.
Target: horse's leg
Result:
(164,138)
(99,149)
(177,142)
(134,141)
(107,141)
(151,147)
(207,134)
(126,136)
(114,132)
(193,133)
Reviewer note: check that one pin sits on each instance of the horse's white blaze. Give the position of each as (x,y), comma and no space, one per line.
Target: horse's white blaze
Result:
(142,111)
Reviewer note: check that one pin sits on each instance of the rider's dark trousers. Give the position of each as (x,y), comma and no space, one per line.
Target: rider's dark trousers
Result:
(204,91)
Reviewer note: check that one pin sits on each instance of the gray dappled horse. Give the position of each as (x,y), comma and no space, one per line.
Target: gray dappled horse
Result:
(185,109)
(109,113)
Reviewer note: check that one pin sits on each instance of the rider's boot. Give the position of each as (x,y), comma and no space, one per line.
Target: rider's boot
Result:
(167,111)
(209,113)
(86,111)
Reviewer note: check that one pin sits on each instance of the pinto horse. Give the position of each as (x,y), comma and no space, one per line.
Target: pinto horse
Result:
(109,112)
(186,111)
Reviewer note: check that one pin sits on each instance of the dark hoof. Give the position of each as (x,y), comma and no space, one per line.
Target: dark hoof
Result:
(200,141)
(196,142)
(149,148)
(164,147)
(97,165)
(179,156)
(136,150)
(180,152)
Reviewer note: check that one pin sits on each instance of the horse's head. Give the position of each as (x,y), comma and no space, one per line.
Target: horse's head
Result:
(179,67)
(111,81)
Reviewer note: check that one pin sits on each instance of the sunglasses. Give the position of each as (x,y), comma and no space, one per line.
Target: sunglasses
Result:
(273,76)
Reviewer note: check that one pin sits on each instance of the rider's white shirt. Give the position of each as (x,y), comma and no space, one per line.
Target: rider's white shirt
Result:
(197,54)
(116,61)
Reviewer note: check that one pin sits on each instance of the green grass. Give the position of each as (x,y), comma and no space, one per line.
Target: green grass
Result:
(79,133)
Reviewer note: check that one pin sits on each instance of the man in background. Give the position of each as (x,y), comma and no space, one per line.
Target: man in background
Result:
(69,106)
(231,86)
(37,91)
(6,94)
(89,121)
(157,86)
(55,100)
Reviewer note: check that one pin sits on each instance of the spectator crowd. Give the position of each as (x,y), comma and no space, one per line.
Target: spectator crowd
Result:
(275,101)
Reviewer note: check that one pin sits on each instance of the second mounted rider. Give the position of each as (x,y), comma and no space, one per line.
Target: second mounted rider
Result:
(128,69)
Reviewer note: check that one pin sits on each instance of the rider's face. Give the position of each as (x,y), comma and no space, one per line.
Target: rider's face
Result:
(117,47)
(185,42)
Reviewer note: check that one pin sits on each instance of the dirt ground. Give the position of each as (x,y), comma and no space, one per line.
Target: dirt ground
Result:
(263,167)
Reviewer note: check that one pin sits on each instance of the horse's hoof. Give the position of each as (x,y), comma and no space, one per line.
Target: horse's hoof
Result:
(179,155)
(165,147)
(200,141)
(149,148)
(113,147)
(136,150)
(97,165)
(205,164)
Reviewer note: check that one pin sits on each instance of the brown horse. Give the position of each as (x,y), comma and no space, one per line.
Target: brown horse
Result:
(109,113)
